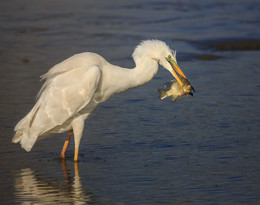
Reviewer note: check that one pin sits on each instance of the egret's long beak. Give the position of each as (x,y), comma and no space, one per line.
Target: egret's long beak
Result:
(177,68)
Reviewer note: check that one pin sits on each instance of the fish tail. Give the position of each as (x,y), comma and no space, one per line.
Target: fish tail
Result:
(162,93)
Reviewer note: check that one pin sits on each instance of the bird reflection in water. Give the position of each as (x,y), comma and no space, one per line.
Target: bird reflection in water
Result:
(31,188)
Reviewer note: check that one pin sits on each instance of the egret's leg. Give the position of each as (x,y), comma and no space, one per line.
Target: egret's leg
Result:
(78,126)
(76,154)
(65,146)
(76,168)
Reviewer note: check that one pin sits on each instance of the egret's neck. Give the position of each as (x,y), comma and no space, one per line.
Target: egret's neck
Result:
(117,79)
(144,71)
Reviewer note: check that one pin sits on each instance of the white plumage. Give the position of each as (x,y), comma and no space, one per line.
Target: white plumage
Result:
(74,87)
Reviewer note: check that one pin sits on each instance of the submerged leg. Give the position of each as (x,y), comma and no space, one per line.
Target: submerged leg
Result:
(78,126)
(65,146)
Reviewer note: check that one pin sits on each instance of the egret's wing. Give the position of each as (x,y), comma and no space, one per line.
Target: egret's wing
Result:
(74,62)
(65,96)
(70,63)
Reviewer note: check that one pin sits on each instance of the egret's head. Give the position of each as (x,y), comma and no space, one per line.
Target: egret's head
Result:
(160,52)
(169,62)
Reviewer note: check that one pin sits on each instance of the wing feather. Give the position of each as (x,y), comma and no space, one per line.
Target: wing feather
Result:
(65,96)
(74,62)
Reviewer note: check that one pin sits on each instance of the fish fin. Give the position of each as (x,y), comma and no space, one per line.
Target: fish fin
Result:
(162,94)
(193,89)
(167,86)
(175,98)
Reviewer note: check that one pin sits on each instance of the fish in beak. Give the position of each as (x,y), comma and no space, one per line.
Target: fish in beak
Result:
(180,76)
(175,90)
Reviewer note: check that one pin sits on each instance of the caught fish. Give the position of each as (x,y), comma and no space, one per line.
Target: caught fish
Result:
(175,90)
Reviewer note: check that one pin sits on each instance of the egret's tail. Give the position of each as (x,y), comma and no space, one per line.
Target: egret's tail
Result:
(24,140)
(17,137)
(23,135)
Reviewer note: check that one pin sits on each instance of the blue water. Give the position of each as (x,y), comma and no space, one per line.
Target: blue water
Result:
(137,149)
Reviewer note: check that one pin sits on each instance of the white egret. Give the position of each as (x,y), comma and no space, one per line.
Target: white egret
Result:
(74,88)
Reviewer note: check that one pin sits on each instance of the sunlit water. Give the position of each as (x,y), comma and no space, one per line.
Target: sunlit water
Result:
(137,149)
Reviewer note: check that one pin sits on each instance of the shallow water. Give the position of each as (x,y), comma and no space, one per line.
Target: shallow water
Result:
(137,149)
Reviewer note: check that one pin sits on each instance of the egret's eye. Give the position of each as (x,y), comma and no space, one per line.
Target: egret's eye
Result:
(169,58)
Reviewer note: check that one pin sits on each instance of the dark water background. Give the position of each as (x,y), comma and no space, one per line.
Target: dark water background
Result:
(137,149)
